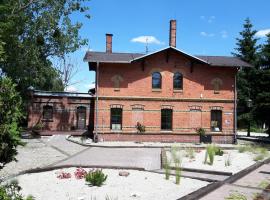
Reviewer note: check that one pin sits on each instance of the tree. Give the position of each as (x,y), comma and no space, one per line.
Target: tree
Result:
(247,51)
(10,115)
(262,79)
(32,33)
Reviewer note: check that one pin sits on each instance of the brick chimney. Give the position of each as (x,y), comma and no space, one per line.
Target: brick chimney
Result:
(172,39)
(109,43)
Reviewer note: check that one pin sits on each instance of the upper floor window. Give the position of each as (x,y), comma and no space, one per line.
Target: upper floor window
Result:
(47,112)
(156,80)
(177,81)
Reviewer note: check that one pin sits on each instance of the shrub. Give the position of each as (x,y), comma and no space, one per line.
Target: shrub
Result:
(10,116)
(200,131)
(258,157)
(64,175)
(218,151)
(245,148)
(80,173)
(95,177)
(140,128)
(11,191)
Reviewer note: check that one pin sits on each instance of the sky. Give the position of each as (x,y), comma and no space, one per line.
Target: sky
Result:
(204,27)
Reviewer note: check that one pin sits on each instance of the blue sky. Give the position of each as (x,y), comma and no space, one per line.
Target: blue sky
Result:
(204,27)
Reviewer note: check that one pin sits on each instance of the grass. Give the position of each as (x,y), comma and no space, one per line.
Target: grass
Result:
(236,196)
(228,160)
(260,152)
(167,169)
(263,184)
(190,153)
(210,153)
(176,156)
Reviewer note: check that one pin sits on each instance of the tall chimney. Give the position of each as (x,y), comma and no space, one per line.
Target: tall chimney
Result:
(172,39)
(109,43)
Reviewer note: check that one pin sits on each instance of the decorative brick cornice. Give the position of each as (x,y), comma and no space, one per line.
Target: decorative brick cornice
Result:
(165,99)
(116,106)
(137,107)
(216,108)
(195,108)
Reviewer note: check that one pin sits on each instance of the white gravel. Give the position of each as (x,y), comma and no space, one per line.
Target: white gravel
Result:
(239,161)
(138,185)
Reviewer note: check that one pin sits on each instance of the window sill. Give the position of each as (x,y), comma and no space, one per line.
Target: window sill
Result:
(156,90)
(215,132)
(177,91)
(116,131)
(166,131)
(116,89)
(216,92)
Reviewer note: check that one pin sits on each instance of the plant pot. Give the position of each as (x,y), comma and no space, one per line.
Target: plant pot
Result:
(206,139)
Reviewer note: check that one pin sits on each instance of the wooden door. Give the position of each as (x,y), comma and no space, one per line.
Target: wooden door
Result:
(81,117)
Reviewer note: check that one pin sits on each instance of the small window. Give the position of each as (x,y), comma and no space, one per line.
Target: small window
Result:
(47,112)
(216,120)
(166,119)
(116,118)
(177,81)
(156,80)
(217,83)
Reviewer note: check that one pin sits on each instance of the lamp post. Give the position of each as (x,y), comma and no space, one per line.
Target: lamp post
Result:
(249,105)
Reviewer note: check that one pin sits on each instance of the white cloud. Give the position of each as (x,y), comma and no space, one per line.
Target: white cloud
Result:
(204,34)
(71,89)
(146,39)
(208,19)
(262,33)
(224,34)
(90,86)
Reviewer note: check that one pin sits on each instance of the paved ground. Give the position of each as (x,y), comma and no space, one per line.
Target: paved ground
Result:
(250,185)
(147,158)
(56,150)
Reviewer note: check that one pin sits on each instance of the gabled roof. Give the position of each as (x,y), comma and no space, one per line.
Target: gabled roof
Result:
(171,48)
(221,61)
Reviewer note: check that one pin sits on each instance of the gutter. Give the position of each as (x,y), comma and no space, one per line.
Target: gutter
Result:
(96,121)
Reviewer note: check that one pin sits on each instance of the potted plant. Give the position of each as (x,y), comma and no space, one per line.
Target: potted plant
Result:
(140,128)
(203,137)
(37,128)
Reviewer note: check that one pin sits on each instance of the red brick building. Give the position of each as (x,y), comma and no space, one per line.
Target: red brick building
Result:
(169,92)
(59,112)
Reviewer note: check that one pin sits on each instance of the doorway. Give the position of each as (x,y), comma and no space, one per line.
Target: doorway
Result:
(81,117)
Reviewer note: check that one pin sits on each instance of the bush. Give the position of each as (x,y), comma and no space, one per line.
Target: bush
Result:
(200,131)
(218,151)
(140,128)
(11,191)
(10,115)
(95,177)
(190,153)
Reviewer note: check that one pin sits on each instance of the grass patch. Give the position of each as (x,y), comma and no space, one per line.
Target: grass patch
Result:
(236,196)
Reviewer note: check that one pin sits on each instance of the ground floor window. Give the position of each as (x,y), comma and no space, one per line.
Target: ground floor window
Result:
(216,120)
(166,119)
(116,118)
(47,112)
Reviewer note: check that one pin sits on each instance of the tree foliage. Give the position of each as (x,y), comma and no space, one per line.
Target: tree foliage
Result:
(10,115)
(33,32)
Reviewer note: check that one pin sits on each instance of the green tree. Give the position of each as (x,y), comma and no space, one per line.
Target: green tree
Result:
(247,51)
(32,34)
(262,79)
(10,115)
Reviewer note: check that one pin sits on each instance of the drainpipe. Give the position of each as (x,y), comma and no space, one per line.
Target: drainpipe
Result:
(235,109)
(96,124)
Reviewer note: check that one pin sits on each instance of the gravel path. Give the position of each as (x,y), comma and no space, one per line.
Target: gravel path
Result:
(40,153)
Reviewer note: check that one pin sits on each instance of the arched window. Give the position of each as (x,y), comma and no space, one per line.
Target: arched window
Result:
(47,112)
(156,80)
(177,81)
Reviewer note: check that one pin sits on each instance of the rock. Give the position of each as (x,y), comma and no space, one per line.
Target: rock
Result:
(123,173)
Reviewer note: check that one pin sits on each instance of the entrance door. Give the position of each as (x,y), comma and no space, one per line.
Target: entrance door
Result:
(81,117)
